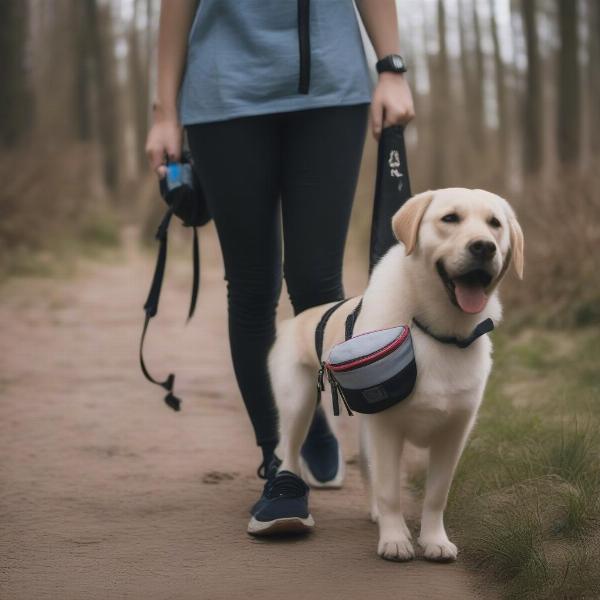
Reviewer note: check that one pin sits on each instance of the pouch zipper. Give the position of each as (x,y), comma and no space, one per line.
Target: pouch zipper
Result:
(357,362)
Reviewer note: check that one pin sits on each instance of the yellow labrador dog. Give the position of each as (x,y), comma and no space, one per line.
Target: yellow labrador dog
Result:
(455,247)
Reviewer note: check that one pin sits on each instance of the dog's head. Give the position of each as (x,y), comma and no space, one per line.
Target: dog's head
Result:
(468,237)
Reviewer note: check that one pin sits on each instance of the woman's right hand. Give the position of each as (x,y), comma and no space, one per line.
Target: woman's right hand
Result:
(165,138)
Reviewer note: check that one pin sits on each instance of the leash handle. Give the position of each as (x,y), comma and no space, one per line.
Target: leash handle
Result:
(392,190)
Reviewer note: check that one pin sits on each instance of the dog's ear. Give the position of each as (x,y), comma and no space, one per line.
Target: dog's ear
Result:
(407,220)
(517,243)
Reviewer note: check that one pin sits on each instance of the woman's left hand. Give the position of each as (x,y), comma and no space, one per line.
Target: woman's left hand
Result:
(392,102)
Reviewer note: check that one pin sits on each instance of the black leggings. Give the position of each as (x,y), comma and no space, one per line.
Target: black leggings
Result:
(298,169)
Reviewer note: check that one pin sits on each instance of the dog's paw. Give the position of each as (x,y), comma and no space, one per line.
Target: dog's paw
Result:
(399,549)
(438,550)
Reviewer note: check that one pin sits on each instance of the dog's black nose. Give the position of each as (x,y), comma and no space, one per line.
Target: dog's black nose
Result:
(482,249)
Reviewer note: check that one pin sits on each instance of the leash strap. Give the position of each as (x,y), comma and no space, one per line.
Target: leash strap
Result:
(152,301)
(196,273)
(151,308)
(392,190)
(484,327)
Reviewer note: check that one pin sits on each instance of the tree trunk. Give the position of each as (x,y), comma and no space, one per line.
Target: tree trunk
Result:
(440,85)
(594,74)
(532,106)
(83,78)
(471,87)
(569,90)
(138,90)
(15,92)
(501,110)
(101,43)
(478,105)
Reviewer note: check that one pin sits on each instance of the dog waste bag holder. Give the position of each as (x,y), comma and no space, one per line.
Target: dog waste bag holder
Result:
(373,371)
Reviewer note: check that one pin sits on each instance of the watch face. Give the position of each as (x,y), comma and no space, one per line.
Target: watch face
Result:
(393,63)
(398,63)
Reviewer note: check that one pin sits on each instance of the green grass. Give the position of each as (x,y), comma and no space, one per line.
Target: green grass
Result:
(525,503)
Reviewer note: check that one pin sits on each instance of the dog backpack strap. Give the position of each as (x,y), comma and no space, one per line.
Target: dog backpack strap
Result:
(320,330)
(151,308)
(351,320)
(319,334)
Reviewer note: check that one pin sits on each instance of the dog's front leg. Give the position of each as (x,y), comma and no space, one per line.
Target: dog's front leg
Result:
(385,445)
(444,454)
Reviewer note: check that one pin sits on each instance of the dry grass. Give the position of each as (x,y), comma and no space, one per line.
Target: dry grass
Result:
(525,501)
(53,206)
(562,232)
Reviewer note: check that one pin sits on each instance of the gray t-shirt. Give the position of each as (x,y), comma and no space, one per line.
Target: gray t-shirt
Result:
(244,59)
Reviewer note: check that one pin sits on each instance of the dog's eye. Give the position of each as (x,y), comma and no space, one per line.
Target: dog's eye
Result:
(451,218)
(495,223)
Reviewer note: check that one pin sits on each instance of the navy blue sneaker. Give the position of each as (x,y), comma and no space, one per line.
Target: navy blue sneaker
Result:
(283,507)
(268,472)
(321,456)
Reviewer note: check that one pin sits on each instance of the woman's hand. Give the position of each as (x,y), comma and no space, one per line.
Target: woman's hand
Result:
(392,102)
(164,138)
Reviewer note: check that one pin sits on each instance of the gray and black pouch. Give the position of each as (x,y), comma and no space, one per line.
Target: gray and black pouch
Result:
(372,371)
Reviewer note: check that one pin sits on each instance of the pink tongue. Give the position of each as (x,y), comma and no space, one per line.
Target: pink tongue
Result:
(470,298)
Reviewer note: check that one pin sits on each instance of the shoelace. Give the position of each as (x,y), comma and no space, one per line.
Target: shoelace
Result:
(285,484)
(263,471)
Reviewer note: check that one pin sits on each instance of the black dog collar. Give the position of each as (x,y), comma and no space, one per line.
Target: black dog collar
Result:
(484,327)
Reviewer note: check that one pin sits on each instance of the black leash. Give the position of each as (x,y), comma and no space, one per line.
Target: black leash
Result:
(151,304)
(392,190)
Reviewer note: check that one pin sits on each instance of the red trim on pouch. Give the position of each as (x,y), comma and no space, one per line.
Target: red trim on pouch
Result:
(358,362)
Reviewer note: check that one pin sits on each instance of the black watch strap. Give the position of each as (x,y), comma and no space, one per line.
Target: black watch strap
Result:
(392,63)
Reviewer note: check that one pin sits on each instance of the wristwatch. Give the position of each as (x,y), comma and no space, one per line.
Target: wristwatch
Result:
(392,63)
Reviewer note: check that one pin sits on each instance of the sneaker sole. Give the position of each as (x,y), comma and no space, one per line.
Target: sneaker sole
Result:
(281,526)
(332,484)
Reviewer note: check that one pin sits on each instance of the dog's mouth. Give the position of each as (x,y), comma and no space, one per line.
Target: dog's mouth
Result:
(467,290)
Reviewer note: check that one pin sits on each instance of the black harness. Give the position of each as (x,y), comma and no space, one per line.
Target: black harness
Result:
(336,393)
(319,334)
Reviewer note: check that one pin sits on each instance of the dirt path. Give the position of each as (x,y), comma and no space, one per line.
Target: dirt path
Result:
(106,493)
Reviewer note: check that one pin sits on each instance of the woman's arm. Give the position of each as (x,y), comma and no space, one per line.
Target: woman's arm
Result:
(392,101)
(165,135)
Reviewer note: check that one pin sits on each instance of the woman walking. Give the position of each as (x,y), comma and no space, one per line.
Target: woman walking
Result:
(274,98)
